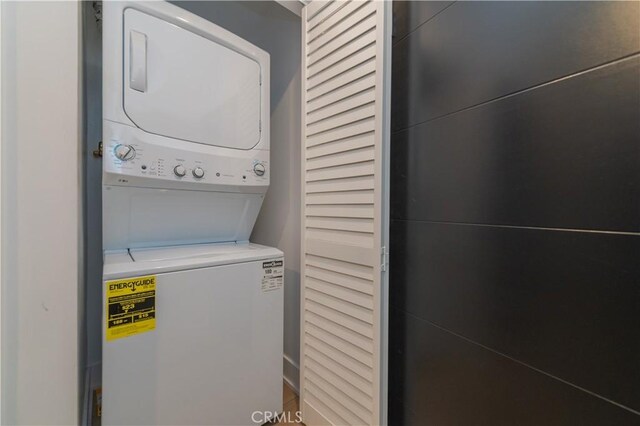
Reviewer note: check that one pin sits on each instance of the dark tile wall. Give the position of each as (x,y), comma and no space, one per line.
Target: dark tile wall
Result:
(515,236)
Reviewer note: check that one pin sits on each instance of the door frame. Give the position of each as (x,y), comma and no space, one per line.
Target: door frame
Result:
(386,211)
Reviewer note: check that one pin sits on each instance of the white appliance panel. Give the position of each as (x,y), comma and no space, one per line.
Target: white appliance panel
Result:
(214,358)
(147,217)
(185,86)
(153,159)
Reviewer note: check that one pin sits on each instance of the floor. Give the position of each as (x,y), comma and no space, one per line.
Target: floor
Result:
(291,405)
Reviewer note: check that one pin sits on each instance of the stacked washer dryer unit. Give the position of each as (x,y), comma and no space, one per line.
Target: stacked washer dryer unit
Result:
(192,312)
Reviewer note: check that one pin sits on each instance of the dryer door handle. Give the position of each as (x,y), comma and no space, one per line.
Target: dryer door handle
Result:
(138,61)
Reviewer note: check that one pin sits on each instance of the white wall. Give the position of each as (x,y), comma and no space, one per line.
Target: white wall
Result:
(41,212)
(276,30)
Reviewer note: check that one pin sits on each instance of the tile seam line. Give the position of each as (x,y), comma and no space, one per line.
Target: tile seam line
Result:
(466,339)
(420,26)
(521,91)
(532,228)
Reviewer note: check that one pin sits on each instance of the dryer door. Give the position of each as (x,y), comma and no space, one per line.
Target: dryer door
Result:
(186,86)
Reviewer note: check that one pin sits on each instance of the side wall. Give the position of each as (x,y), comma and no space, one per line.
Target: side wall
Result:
(516,213)
(41,212)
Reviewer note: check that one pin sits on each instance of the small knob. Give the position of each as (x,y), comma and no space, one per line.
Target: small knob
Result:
(259,169)
(198,172)
(124,152)
(179,170)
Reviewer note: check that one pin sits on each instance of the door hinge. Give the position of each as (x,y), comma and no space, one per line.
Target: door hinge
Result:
(260,126)
(384,254)
(97,153)
(260,79)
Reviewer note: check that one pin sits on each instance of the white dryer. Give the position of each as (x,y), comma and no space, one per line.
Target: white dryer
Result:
(185,128)
(192,312)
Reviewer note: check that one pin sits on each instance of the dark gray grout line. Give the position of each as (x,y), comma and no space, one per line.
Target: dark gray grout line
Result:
(419,26)
(534,228)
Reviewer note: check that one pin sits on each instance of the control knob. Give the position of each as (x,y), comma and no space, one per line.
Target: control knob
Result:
(179,170)
(124,152)
(259,169)
(198,172)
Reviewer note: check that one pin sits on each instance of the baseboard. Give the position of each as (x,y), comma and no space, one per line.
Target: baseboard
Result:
(291,373)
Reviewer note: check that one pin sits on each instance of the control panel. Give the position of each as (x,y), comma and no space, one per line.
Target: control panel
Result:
(130,158)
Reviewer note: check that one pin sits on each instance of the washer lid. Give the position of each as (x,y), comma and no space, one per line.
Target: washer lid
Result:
(197,251)
(176,258)
(186,86)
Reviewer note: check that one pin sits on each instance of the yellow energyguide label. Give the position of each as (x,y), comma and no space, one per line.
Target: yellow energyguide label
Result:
(130,306)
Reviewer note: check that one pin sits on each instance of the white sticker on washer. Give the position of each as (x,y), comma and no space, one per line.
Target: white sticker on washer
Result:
(272,275)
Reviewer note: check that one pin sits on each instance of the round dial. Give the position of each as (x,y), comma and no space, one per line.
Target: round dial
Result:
(179,170)
(198,172)
(124,152)
(259,169)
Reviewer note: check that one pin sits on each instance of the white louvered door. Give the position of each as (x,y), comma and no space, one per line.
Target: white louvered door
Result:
(346,48)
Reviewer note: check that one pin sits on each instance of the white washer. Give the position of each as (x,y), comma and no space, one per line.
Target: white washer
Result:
(215,353)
